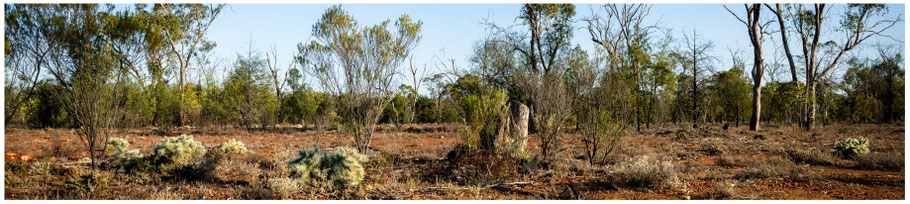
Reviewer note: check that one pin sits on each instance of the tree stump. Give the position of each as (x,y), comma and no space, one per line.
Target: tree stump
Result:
(514,137)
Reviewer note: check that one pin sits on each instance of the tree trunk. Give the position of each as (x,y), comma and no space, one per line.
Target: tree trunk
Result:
(756,107)
(812,107)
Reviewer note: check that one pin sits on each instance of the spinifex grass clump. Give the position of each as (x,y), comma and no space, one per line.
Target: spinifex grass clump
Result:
(851,147)
(177,151)
(120,155)
(322,170)
(233,147)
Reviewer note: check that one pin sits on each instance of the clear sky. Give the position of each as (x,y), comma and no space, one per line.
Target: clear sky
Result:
(450,30)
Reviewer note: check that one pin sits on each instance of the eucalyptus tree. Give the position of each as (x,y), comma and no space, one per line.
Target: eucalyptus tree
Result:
(859,23)
(756,32)
(366,57)
(181,30)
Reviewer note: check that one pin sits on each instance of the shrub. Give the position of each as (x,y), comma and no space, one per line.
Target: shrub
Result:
(120,155)
(87,183)
(116,143)
(321,170)
(852,147)
(283,187)
(811,157)
(645,171)
(880,161)
(177,151)
(233,147)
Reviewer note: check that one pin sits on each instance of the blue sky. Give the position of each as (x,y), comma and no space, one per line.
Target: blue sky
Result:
(455,28)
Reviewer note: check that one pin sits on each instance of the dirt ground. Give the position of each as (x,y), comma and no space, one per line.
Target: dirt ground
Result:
(410,163)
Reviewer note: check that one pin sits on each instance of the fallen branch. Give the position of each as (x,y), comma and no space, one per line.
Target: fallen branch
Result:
(500,184)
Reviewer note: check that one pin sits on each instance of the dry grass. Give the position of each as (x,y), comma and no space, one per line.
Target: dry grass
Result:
(722,190)
(880,161)
(814,157)
(234,170)
(645,171)
(729,161)
(283,187)
(777,167)
(411,164)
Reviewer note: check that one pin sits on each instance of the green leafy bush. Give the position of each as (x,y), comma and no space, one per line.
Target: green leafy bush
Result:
(851,147)
(177,151)
(321,170)
(233,147)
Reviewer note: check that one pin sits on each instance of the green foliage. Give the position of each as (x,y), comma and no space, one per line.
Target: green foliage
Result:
(43,109)
(316,169)
(851,147)
(601,133)
(177,152)
(366,57)
(248,97)
(778,99)
(874,93)
(732,93)
(233,147)
(483,114)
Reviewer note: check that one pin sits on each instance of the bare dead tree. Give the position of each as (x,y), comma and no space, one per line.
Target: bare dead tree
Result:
(271,58)
(695,53)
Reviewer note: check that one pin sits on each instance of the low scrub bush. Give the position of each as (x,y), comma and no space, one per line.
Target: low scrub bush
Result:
(90,183)
(120,155)
(483,166)
(645,171)
(880,161)
(852,147)
(321,170)
(177,152)
(284,188)
(233,147)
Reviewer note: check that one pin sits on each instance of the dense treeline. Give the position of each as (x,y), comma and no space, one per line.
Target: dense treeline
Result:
(96,68)
(870,91)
